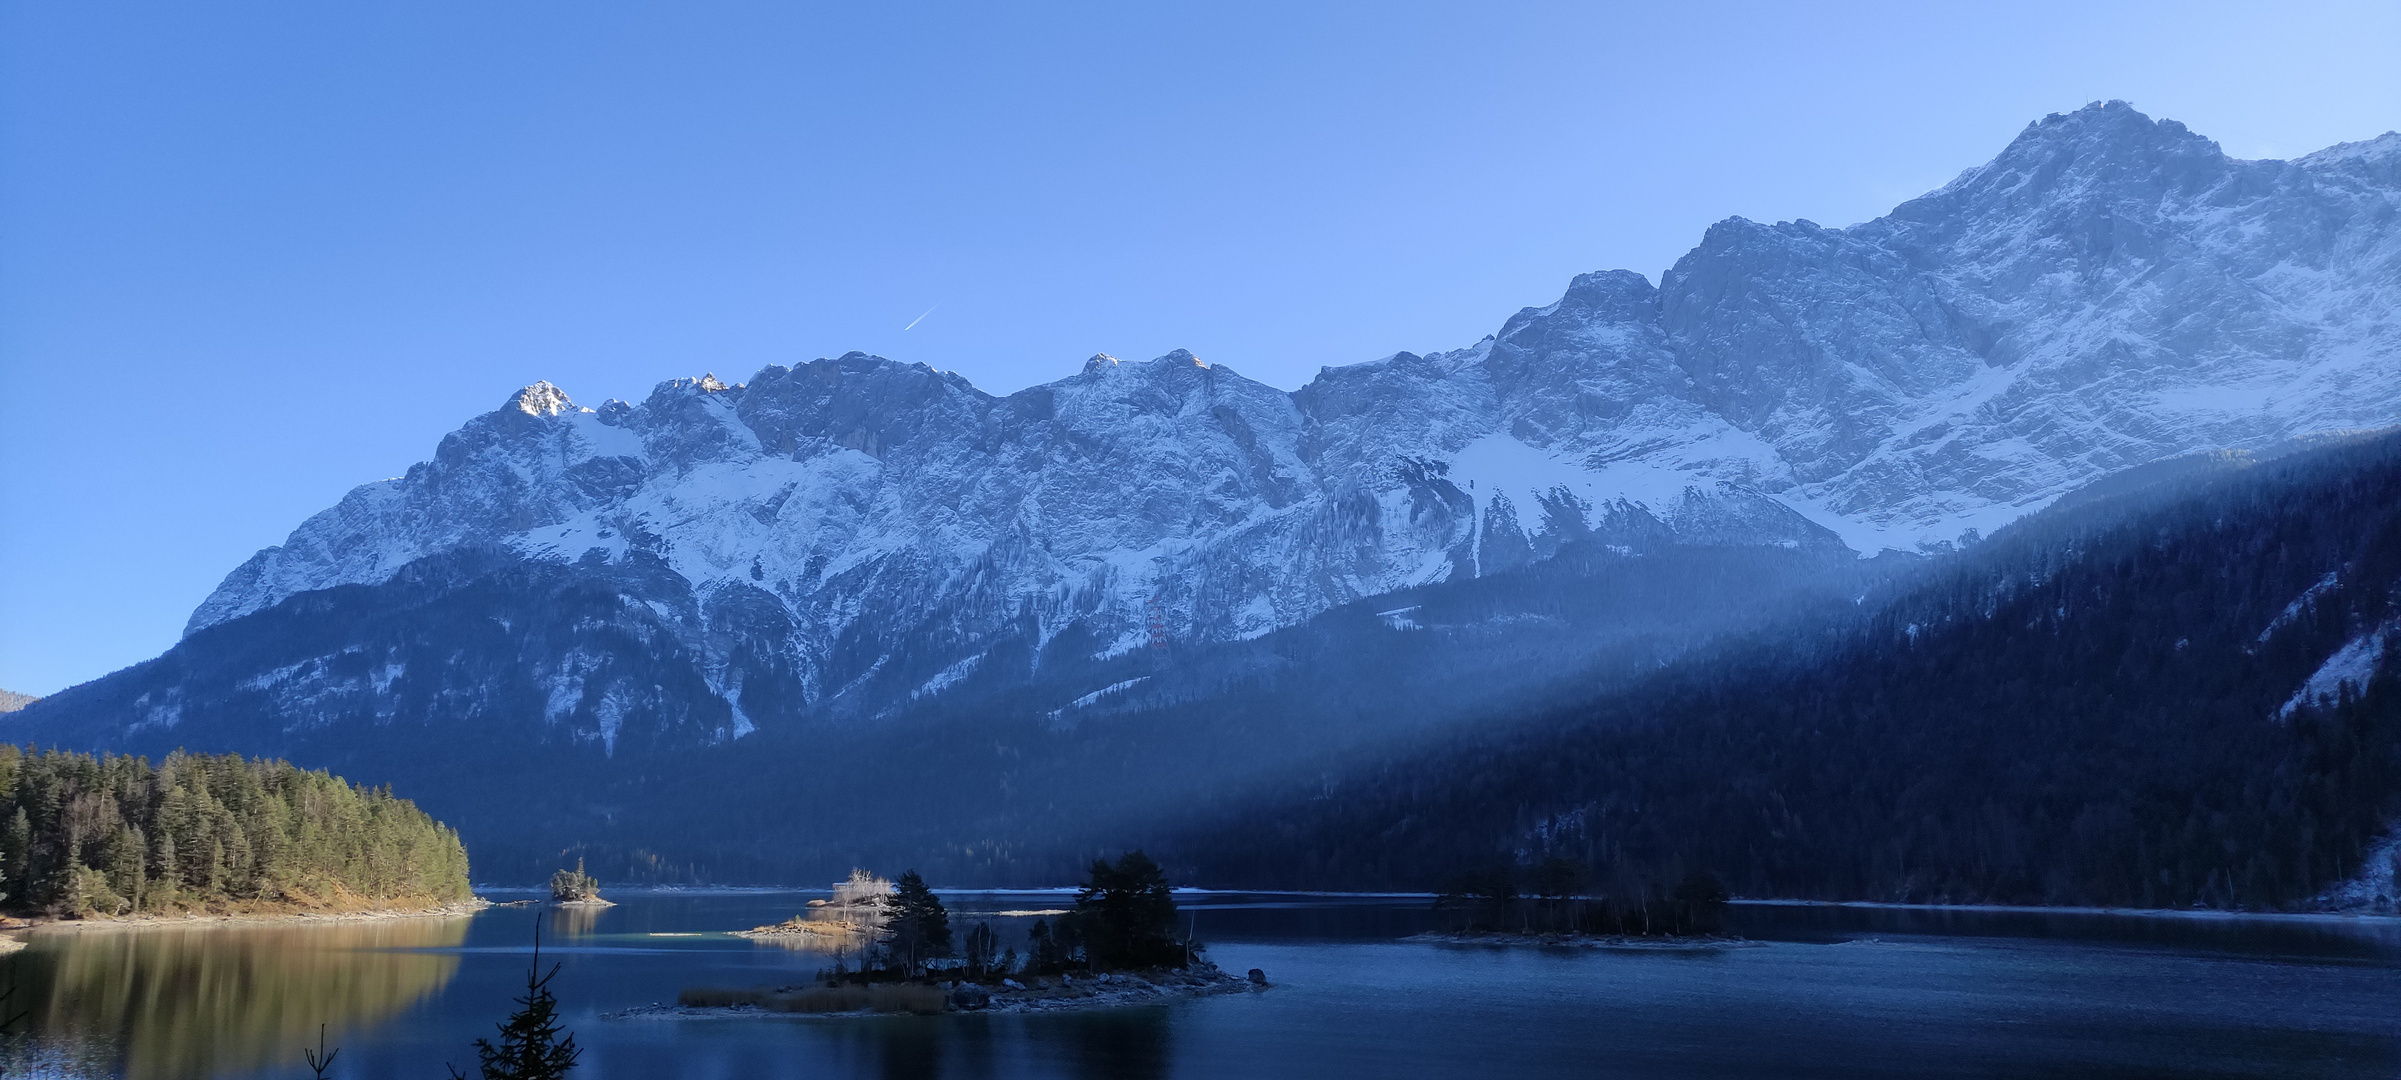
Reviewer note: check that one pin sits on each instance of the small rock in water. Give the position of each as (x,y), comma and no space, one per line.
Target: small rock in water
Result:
(1258,977)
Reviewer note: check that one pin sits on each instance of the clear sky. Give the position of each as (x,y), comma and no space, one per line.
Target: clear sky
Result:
(252,255)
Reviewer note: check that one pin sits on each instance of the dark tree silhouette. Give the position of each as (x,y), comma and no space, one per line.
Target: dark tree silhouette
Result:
(532,1046)
(983,949)
(1126,913)
(919,927)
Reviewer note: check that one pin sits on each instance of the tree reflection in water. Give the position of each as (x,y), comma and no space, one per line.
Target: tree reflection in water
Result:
(1119,1044)
(572,921)
(911,1051)
(197,1001)
(1108,1044)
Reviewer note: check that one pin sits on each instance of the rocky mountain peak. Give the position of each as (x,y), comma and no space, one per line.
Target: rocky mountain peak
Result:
(541,399)
(2376,161)
(2105,158)
(1179,358)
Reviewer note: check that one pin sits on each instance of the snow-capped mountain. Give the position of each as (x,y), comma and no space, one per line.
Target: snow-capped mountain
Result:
(2109,291)
(845,537)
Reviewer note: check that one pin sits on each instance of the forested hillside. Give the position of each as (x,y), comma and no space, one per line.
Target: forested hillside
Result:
(111,835)
(2166,697)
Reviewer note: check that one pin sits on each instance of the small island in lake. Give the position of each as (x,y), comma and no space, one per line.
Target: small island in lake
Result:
(576,888)
(1563,908)
(894,951)
(854,915)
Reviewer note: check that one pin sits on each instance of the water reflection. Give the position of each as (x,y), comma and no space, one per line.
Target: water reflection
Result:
(909,1051)
(1121,1044)
(1839,992)
(1115,1044)
(172,1002)
(571,921)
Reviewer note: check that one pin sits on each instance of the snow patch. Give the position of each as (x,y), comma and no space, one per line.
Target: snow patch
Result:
(1113,688)
(2350,666)
(2377,885)
(947,677)
(2296,609)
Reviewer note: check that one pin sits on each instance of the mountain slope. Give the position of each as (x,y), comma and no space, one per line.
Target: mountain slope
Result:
(2195,703)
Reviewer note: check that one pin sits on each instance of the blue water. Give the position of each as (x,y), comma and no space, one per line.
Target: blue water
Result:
(1832,993)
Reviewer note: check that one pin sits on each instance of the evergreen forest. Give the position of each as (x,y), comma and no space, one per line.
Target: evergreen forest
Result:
(84,835)
(2102,705)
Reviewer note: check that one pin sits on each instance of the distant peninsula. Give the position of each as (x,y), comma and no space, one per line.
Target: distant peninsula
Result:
(113,837)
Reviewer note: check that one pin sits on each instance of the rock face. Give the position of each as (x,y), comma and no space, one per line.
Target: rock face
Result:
(844,537)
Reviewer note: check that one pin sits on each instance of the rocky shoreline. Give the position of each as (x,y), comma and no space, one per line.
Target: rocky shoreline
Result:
(1060,993)
(252,918)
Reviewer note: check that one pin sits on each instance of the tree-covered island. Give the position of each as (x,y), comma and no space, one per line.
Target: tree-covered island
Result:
(1558,901)
(896,949)
(576,887)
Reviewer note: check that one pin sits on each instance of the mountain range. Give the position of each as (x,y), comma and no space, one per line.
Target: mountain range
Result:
(844,551)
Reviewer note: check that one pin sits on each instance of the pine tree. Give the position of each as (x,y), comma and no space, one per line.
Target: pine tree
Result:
(125,865)
(919,928)
(165,873)
(983,948)
(1043,955)
(1126,913)
(531,1047)
(16,848)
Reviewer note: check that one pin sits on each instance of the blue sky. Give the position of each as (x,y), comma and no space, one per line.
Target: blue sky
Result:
(252,255)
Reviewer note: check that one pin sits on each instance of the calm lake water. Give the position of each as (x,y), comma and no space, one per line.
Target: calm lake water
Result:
(1834,993)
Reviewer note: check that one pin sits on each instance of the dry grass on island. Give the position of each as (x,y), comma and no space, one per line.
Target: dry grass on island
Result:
(854,916)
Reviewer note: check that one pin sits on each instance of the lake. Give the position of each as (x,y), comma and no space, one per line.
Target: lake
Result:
(1835,992)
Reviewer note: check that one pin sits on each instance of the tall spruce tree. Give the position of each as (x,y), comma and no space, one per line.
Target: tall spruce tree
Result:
(919,927)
